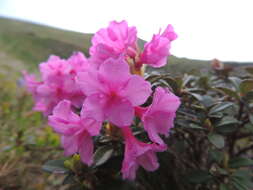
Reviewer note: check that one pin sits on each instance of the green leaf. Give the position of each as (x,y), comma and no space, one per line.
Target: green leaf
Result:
(229,92)
(220,107)
(216,139)
(226,129)
(228,124)
(69,179)
(251,118)
(197,96)
(236,82)
(240,162)
(246,174)
(55,166)
(172,83)
(240,183)
(227,120)
(222,171)
(187,79)
(216,155)
(152,78)
(198,176)
(102,154)
(249,127)
(194,126)
(246,86)
(206,100)
(224,187)
(218,115)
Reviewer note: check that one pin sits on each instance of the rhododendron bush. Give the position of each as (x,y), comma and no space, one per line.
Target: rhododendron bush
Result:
(109,113)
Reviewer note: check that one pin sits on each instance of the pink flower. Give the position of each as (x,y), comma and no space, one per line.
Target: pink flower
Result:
(76,131)
(112,92)
(138,154)
(58,82)
(31,83)
(158,118)
(78,62)
(118,38)
(156,51)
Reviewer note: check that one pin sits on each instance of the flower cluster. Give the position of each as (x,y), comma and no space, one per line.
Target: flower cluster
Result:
(80,94)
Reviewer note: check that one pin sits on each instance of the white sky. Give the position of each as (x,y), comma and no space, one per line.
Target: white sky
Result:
(207,29)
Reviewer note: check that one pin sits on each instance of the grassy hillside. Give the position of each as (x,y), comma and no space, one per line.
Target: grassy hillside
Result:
(33,43)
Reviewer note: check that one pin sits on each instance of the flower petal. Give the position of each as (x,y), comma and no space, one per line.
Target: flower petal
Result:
(63,120)
(85,146)
(148,161)
(114,71)
(95,107)
(137,90)
(89,82)
(120,112)
(69,144)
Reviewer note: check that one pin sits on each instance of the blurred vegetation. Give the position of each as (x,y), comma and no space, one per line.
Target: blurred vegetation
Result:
(210,146)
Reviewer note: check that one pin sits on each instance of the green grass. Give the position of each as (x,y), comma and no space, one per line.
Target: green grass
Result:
(33,43)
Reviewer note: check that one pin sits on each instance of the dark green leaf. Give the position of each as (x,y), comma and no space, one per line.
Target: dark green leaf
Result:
(194,126)
(226,129)
(240,162)
(236,82)
(217,140)
(246,86)
(102,154)
(197,96)
(222,171)
(216,155)
(220,107)
(240,183)
(206,100)
(227,120)
(69,179)
(218,115)
(152,78)
(229,92)
(173,84)
(245,176)
(198,176)
(224,187)
(251,118)
(55,166)
(187,79)
(249,127)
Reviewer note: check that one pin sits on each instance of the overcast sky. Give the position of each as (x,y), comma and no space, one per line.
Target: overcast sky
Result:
(207,29)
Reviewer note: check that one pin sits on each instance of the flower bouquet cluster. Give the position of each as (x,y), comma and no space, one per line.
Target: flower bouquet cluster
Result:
(106,93)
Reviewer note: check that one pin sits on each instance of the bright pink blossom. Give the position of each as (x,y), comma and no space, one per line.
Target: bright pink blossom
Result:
(112,92)
(78,62)
(138,154)
(76,131)
(159,117)
(156,51)
(118,38)
(58,82)
(31,83)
